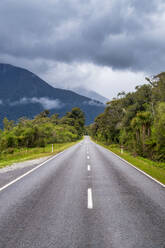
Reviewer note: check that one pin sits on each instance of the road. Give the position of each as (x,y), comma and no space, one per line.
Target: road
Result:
(84,198)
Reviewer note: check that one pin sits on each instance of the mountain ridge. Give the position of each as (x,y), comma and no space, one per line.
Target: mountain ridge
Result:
(23,93)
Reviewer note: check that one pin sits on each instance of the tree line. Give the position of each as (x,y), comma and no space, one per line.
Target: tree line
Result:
(43,129)
(136,120)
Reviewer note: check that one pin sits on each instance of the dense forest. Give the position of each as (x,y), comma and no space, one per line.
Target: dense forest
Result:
(136,120)
(42,130)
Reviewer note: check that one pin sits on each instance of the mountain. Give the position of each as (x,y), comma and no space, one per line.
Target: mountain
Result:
(91,94)
(22,93)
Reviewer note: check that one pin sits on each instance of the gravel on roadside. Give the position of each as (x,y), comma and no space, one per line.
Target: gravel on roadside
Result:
(9,173)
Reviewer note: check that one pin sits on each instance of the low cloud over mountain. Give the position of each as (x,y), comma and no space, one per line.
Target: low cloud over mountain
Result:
(23,93)
(45,102)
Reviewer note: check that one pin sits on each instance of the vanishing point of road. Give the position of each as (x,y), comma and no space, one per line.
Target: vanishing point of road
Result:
(85,197)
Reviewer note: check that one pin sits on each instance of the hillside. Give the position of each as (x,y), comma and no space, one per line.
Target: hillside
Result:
(22,93)
(136,121)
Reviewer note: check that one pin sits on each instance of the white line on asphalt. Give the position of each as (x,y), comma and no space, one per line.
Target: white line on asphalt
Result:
(88,157)
(30,171)
(147,175)
(89,167)
(90,200)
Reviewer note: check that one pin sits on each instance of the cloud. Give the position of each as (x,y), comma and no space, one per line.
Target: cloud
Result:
(47,103)
(122,34)
(125,36)
(93,77)
(93,103)
(44,101)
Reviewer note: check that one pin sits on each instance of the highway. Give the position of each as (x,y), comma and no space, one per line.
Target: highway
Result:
(85,197)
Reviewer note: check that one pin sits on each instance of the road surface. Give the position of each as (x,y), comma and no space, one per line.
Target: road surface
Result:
(86,197)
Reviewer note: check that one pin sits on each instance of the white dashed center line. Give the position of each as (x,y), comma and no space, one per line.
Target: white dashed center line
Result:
(88,157)
(89,168)
(90,200)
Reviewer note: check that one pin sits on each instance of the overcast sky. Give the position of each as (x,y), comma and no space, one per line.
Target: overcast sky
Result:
(108,46)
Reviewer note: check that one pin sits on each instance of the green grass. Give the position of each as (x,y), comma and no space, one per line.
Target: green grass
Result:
(152,168)
(23,154)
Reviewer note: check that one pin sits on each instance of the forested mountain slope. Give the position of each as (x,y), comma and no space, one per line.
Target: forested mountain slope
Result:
(136,120)
(22,93)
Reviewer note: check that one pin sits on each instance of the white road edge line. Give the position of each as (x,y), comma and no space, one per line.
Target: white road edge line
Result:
(90,200)
(89,167)
(153,179)
(30,171)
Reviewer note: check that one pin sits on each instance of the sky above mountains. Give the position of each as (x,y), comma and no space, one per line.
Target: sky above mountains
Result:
(108,46)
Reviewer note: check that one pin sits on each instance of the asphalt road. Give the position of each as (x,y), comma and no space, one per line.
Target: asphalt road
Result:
(84,198)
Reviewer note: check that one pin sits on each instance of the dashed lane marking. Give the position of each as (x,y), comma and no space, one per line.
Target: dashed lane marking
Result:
(90,199)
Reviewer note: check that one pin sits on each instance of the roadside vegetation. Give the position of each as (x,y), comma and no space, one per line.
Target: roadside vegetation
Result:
(136,122)
(23,154)
(29,139)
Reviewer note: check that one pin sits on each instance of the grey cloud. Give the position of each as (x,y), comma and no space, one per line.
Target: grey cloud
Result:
(44,101)
(145,6)
(121,34)
(93,103)
(47,103)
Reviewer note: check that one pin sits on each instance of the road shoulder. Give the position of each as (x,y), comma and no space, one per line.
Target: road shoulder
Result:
(156,174)
(10,173)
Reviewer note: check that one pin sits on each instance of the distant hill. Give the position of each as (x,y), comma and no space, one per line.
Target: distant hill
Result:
(22,93)
(91,94)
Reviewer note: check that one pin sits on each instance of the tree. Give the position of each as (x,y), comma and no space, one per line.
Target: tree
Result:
(75,118)
(158,131)
(8,125)
(141,127)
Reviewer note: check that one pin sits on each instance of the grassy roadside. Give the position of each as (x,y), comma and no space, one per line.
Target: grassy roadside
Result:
(154,169)
(23,154)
